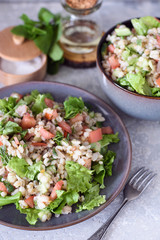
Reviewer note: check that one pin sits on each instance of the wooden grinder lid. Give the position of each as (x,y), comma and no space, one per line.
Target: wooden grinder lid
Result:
(22,51)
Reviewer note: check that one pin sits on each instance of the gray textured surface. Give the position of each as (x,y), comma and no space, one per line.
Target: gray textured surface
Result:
(141,218)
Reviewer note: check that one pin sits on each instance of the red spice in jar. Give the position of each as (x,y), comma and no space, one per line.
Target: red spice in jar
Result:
(81,4)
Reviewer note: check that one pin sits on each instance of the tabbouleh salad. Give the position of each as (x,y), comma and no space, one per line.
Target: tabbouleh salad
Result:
(52,155)
(132,56)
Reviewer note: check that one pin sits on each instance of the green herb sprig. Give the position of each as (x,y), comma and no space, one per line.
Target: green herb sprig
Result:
(45,33)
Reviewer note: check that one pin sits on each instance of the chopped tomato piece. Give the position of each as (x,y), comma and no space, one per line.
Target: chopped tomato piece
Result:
(52,115)
(158,39)
(6,174)
(1,143)
(87,163)
(16,140)
(95,135)
(30,201)
(37,144)
(28,136)
(46,134)
(111,48)
(84,128)
(113,61)
(107,130)
(11,119)
(158,81)
(3,187)
(65,134)
(58,186)
(28,121)
(77,118)
(48,116)
(65,126)
(49,102)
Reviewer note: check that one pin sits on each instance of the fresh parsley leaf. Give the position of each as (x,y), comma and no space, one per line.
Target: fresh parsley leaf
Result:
(63,198)
(10,199)
(54,152)
(109,138)
(23,133)
(32,214)
(19,166)
(33,170)
(99,174)
(78,177)
(104,49)
(108,162)
(73,106)
(7,105)
(9,187)
(92,199)
(58,138)
(11,128)
(4,155)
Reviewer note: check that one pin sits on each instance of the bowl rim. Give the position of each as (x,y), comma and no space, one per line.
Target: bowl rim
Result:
(108,77)
(120,186)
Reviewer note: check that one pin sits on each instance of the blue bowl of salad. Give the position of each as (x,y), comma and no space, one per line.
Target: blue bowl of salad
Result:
(128,56)
(64,155)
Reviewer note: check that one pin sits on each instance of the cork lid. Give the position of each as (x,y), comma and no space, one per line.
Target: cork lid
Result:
(16,48)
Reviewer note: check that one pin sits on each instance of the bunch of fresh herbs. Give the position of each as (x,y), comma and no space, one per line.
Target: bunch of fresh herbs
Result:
(45,33)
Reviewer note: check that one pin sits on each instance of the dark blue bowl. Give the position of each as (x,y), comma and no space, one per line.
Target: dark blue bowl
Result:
(133,104)
(9,216)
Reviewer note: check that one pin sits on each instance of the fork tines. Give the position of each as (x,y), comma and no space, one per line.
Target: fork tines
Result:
(142,179)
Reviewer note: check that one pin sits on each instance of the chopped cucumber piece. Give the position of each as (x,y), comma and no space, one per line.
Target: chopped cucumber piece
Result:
(132,61)
(122,32)
(125,54)
(96,146)
(130,68)
(139,26)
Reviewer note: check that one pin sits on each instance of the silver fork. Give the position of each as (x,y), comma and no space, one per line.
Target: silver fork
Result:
(134,187)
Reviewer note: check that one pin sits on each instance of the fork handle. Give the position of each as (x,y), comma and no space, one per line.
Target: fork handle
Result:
(101,232)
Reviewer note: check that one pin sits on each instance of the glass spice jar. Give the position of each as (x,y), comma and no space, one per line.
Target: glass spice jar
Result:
(81,32)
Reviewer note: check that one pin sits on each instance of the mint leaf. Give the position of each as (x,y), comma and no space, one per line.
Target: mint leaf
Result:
(45,15)
(43,42)
(56,53)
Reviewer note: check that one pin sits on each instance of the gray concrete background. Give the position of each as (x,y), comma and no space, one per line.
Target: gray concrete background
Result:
(140,220)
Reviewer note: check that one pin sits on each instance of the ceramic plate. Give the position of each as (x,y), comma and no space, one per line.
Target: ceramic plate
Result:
(9,216)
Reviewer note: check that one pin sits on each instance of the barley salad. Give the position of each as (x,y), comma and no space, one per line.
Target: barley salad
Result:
(132,56)
(52,155)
